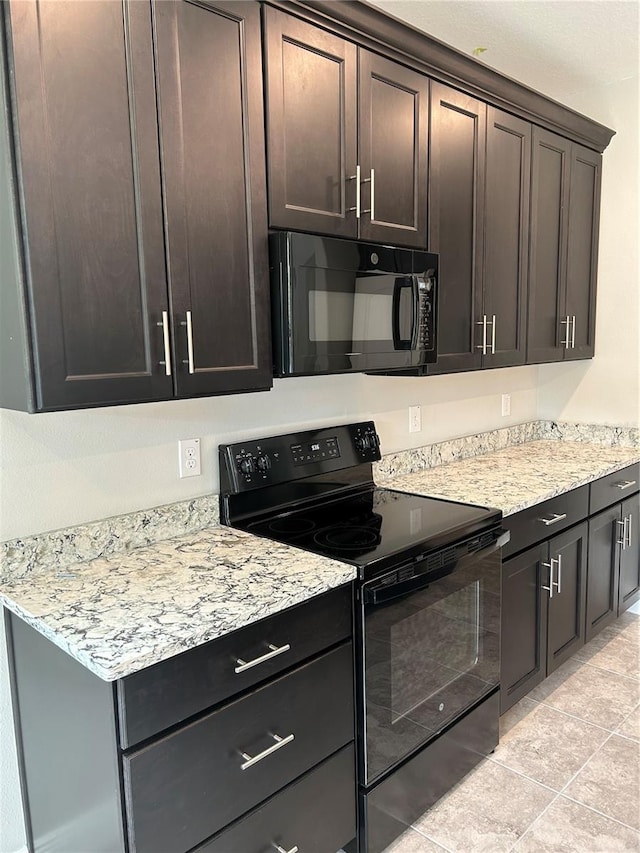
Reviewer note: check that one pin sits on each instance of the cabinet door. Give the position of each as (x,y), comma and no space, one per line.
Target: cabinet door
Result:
(211,131)
(87,149)
(605,530)
(506,237)
(393,109)
(582,251)
(311,127)
(566,628)
(630,555)
(524,625)
(547,327)
(456,189)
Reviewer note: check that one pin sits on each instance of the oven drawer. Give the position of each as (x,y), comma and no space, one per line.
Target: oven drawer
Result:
(545,519)
(172,691)
(316,814)
(614,488)
(190,784)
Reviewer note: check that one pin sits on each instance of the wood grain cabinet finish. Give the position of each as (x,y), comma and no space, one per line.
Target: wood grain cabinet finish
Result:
(565,205)
(456,223)
(346,137)
(89,84)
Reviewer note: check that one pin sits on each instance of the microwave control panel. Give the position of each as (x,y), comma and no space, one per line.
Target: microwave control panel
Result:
(426,311)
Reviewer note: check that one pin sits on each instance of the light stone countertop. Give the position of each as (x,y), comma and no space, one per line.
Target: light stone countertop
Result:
(120,614)
(516,477)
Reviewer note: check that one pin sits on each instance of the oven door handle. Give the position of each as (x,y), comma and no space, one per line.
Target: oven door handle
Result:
(400,343)
(378,593)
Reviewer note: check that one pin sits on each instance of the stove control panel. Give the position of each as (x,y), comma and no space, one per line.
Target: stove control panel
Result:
(283,459)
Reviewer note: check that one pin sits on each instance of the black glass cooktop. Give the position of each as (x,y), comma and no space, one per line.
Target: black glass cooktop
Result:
(373,525)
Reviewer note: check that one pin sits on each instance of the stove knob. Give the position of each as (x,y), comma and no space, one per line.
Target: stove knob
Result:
(246,465)
(363,443)
(264,463)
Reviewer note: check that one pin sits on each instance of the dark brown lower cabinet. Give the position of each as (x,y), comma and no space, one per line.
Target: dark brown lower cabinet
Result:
(613,583)
(543,607)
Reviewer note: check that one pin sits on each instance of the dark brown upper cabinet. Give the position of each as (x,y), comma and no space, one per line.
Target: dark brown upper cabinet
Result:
(506,239)
(480,174)
(346,137)
(106,201)
(456,224)
(565,204)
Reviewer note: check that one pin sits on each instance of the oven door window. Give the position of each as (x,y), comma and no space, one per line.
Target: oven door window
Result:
(428,657)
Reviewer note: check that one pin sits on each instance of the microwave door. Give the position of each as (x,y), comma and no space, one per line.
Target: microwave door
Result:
(383,313)
(404,314)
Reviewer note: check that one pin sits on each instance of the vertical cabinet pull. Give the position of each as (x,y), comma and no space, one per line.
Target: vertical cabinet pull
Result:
(165,337)
(371,180)
(558,581)
(559,576)
(188,323)
(566,343)
(483,323)
(623,541)
(493,333)
(573,332)
(629,519)
(356,178)
(551,581)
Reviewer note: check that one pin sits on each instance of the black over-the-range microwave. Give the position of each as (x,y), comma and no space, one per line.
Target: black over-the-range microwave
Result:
(343,306)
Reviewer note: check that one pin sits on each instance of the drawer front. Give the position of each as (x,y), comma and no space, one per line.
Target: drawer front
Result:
(176,689)
(544,520)
(315,815)
(188,785)
(614,488)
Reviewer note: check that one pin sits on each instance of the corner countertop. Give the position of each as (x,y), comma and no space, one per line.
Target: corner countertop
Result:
(120,614)
(519,476)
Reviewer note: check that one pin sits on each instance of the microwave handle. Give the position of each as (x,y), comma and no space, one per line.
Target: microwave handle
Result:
(400,343)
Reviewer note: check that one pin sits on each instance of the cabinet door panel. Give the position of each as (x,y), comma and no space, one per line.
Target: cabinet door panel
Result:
(524,625)
(602,571)
(311,127)
(84,102)
(455,223)
(506,237)
(548,246)
(208,58)
(566,627)
(393,110)
(582,252)
(630,556)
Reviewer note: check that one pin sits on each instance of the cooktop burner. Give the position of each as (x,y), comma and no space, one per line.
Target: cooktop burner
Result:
(347,538)
(291,524)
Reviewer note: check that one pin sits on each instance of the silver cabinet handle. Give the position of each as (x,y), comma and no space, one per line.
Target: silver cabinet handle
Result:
(165,337)
(551,581)
(356,178)
(294,849)
(566,343)
(623,541)
(493,334)
(573,332)
(249,760)
(625,484)
(629,518)
(244,665)
(371,180)
(559,583)
(555,518)
(189,326)
(483,323)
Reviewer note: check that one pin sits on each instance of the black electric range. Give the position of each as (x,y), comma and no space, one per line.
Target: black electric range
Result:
(426,607)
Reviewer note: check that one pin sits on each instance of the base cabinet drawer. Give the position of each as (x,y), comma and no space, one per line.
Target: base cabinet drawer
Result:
(614,488)
(539,522)
(187,786)
(316,814)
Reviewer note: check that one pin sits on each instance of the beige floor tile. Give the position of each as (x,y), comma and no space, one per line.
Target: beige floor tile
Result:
(413,842)
(516,715)
(567,827)
(616,649)
(592,694)
(610,782)
(487,812)
(631,726)
(549,746)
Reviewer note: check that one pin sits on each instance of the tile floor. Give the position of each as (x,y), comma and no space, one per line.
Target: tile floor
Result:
(566,774)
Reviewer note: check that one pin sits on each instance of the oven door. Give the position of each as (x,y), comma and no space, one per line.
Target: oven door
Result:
(431,651)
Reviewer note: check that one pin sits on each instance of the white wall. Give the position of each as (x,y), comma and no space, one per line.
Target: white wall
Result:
(607,389)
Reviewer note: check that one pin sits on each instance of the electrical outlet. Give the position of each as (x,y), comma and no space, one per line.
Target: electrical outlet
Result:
(506,405)
(189,457)
(415,419)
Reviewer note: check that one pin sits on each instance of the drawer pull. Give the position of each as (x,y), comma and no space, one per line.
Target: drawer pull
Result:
(249,760)
(555,517)
(625,484)
(273,652)
(294,849)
